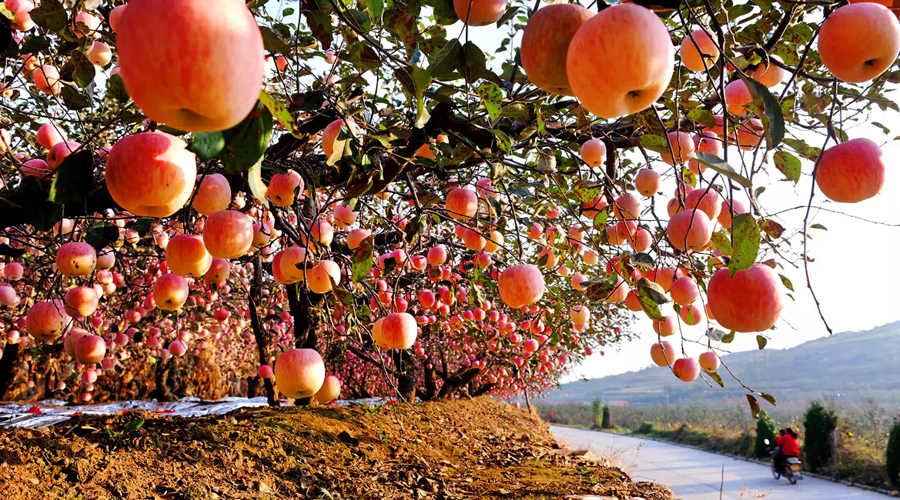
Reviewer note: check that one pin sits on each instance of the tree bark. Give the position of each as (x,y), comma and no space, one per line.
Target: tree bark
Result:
(454,382)
(262,341)
(8,368)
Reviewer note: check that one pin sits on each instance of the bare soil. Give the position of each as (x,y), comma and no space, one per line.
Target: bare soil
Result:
(443,450)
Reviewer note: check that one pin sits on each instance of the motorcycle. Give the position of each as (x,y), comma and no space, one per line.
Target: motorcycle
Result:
(792,466)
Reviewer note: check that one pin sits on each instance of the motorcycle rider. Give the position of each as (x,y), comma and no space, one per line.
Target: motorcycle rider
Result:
(787,446)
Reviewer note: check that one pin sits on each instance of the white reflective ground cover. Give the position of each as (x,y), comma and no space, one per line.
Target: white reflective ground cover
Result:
(49,412)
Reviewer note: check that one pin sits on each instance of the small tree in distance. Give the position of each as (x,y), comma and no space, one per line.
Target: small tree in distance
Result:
(765,430)
(597,412)
(892,460)
(820,423)
(607,418)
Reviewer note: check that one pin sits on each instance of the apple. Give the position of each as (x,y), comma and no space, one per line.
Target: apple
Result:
(691,314)
(859,42)
(620,61)
(852,171)
(178,59)
(545,43)
(770,74)
(709,361)
(707,200)
(641,241)
(479,12)
(666,327)
(59,152)
(521,285)
(228,234)
(689,229)
(686,369)
(320,275)
(749,301)
(750,134)
(647,182)
(299,373)
(186,255)
(46,79)
(593,151)
(699,51)
(283,188)
(737,98)
(663,353)
(398,331)
(71,339)
(47,320)
(707,142)
(50,135)
(461,203)
(218,271)
(151,174)
(81,301)
(76,259)
(356,236)
(213,194)
(170,292)
(100,53)
(115,16)
(330,390)
(725,212)
(90,349)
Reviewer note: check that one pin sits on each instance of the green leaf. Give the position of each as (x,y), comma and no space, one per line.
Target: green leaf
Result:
(651,308)
(510,12)
(745,243)
(34,45)
(444,13)
(363,259)
(652,290)
(788,164)
(273,43)
(73,99)
(414,85)
(79,69)
(767,397)
(754,406)
(474,63)
(769,111)
(42,213)
(320,24)
(280,112)
(690,177)
(376,9)
(257,186)
(492,98)
(503,140)
(716,377)
(599,221)
(403,25)
(207,145)
(761,342)
(115,88)
(51,15)
(133,425)
(703,117)
(787,283)
(654,143)
(361,19)
(818,226)
(101,235)
(720,166)
(246,143)
(771,228)
(74,179)
(445,63)
(363,56)
(722,243)
(728,338)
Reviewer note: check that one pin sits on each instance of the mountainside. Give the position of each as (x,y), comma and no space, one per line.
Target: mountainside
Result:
(852,365)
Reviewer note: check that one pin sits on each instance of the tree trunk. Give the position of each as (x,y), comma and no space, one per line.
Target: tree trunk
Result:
(430,384)
(406,375)
(8,368)
(454,382)
(262,340)
(305,307)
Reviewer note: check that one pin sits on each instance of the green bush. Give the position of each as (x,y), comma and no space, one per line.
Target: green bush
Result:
(597,412)
(645,428)
(607,418)
(765,429)
(820,424)
(893,454)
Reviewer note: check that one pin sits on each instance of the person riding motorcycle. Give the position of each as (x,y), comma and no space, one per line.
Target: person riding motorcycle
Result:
(787,446)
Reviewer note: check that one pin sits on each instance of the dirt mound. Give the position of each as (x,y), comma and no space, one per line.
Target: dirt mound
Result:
(443,450)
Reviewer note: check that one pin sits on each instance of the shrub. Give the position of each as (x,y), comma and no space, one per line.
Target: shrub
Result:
(893,454)
(607,418)
(765,429)
(597,412)
(645,428)
(820,424)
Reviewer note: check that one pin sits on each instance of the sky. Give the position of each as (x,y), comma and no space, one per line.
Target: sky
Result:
(846,275)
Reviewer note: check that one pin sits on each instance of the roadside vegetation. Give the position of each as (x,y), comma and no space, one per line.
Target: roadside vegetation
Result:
(855,448)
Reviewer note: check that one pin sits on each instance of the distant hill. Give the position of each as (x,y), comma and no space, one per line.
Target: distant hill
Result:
(852,365)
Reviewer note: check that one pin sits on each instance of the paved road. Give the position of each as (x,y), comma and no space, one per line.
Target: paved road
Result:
(696,475)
